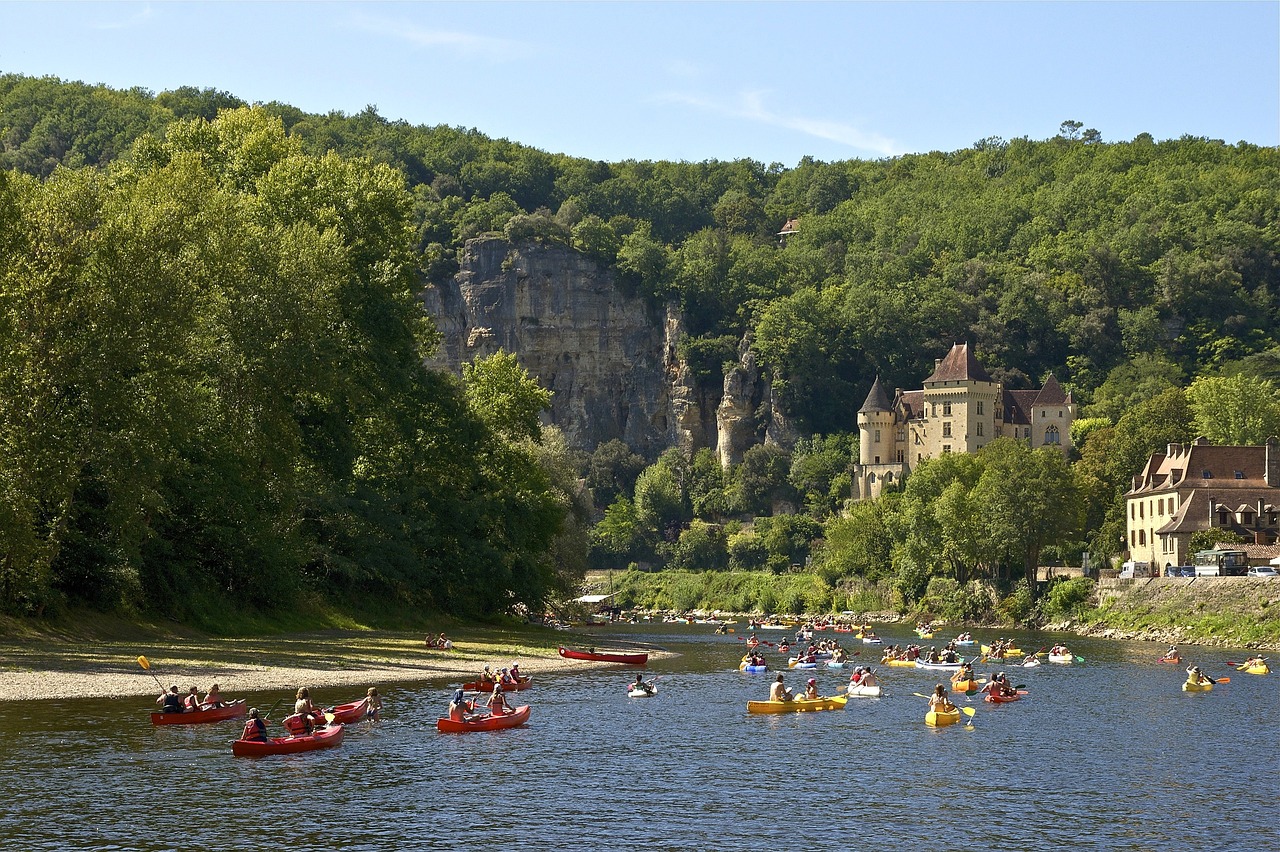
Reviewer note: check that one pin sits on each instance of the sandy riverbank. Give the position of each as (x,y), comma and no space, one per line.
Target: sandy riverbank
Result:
(42,670)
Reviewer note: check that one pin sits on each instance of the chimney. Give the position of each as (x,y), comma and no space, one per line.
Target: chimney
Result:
(1271,474)
(1212,506)
(1174,450)
(937,362)
(1259,537)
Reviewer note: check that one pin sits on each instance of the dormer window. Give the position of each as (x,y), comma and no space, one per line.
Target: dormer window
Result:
(1239,474)
(1246,518)
(1206,474)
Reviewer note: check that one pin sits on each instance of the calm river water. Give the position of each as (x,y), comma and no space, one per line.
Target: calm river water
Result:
(1105,755)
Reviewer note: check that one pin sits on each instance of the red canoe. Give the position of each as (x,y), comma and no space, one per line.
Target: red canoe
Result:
(1005,699)
(517,717)
(326,737)
(604,657)
(234,710)
(478,686)
(347,713)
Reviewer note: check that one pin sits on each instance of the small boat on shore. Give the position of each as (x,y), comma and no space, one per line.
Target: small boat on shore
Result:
(234,710)
(326,737)
(636,659)
(489,722)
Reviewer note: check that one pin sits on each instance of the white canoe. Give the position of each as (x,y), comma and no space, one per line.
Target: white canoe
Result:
(1062,658)
(859,691)
(1031,663)
(642,693)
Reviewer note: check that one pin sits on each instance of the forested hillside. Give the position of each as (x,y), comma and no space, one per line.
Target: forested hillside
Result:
(1129,269)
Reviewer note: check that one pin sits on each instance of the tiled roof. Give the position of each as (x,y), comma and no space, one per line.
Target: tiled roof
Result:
(877,400)
(1017,406)
(1193,514)
(959,365)
(1187,468)
(1051,393)
(912,404)
(791,227)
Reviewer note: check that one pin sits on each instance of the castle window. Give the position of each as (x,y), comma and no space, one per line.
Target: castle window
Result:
(919,457)
(946,448)
(1142,537)
(902,434)
(877,461)
(900,456)
(1051,435)
(980,430)
(1059,412)
(946,409)
(872,477)
(877,438)
(946,430)
(888,477)
(980,406)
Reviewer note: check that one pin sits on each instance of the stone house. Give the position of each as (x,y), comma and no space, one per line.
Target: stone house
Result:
(1202,487)
(960,409)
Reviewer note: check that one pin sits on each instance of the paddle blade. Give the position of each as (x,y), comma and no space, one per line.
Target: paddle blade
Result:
(329,717)
(968,711)
(919,695)
(1079,659)
(142,661)
(1223,680)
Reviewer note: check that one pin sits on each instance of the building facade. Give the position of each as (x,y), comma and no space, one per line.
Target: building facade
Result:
(1202,487)
(960,409)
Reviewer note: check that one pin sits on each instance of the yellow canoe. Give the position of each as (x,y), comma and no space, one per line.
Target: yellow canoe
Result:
(909,664)
(1262,669)
(798,705)
(1188,686)
(1008,652)
(936,719)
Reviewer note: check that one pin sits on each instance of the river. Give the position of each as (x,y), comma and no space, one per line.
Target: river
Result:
(1108,754)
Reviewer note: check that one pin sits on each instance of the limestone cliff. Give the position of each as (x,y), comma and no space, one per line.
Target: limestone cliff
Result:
(611,364)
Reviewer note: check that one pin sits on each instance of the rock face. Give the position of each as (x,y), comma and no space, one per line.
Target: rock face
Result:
(611,364)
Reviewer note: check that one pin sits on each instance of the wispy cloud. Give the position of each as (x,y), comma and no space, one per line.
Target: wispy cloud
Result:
(139,17)
(751,106)
(460,42)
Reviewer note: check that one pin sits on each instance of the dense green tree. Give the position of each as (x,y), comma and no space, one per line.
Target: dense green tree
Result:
(1235,410)
(612,472)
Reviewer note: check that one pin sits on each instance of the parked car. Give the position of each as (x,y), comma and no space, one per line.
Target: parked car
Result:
(1262,571)
(1179,570)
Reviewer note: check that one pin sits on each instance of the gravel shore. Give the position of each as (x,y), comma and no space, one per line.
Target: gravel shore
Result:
(44,670)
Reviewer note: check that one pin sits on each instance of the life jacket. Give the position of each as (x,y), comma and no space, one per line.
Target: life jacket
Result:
(298,724)
(191,702)
(254,729)
(172,703)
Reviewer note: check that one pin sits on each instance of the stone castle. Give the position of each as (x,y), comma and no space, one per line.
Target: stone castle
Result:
(959,410)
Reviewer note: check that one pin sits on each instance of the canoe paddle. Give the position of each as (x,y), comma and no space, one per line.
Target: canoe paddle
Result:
(142,661)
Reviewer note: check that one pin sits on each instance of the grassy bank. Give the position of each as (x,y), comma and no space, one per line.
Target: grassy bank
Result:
(1206,611)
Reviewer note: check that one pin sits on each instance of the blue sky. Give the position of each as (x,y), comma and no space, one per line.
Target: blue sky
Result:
(694,81)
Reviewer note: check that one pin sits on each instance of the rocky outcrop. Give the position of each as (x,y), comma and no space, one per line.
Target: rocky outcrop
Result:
(610,362)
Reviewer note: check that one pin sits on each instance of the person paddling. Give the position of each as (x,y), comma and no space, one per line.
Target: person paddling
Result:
(811,689)
(940,702)
(254,728)
(642,685)
(459,707)
(778,691)
(171,701)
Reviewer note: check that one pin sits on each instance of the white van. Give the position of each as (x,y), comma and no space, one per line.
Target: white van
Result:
(1132,569)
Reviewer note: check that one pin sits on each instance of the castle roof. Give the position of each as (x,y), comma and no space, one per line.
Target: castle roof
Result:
(959,365)
(1051,393)
(1017,406)
(877,399)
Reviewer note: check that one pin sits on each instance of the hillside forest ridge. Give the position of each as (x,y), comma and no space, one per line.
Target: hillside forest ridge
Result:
(215,404)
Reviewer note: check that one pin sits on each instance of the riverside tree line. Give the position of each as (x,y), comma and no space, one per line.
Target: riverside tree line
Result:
(213,391)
